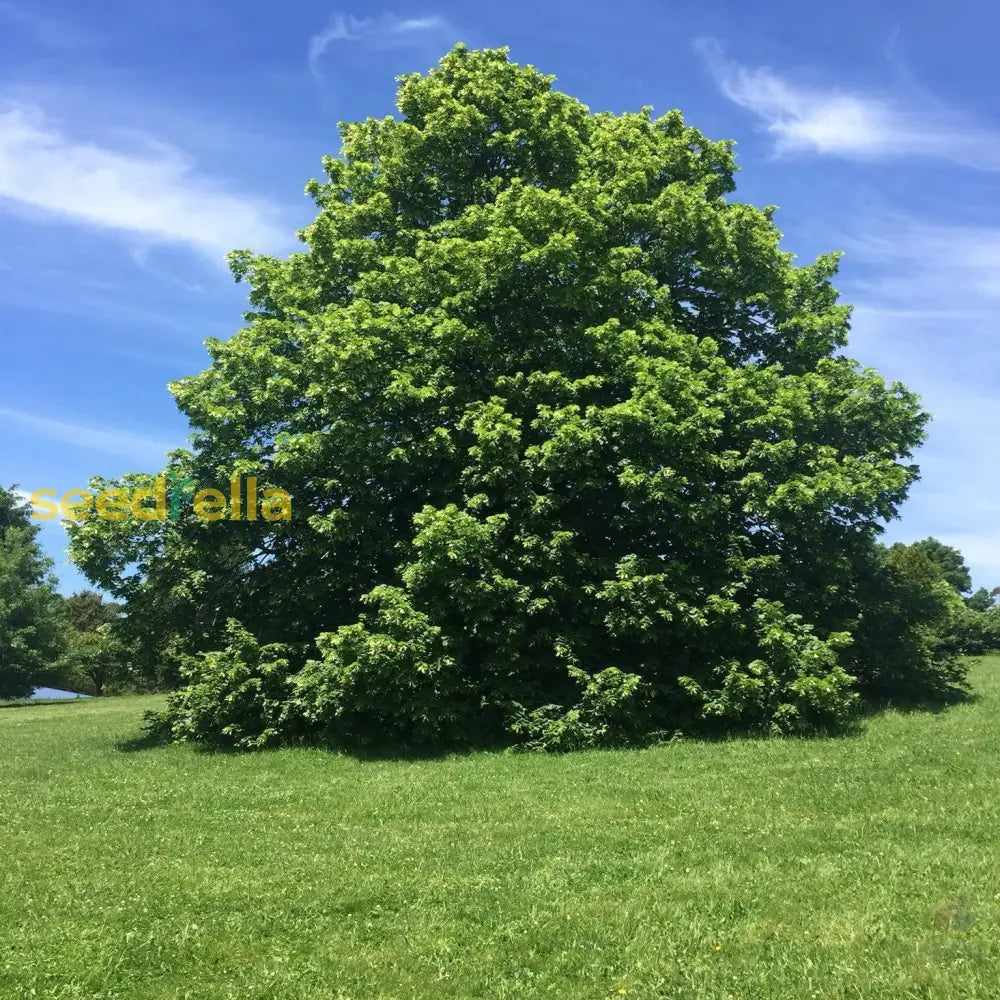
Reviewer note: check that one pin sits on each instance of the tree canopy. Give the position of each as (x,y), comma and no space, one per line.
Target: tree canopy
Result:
(575,453)
(949,561)
(87,610)
(95,655)
(30,611)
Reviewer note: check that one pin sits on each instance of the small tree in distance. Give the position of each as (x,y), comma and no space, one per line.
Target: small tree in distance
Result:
(95,654)
(30,610)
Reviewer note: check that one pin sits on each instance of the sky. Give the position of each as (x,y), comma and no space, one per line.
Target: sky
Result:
(139,142)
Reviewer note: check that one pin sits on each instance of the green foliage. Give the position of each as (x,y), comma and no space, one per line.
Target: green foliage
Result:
(950,562)
(982,600)
(30,610)
(87,610)
(967,629)
(563,425)
(975,632)
(234,697)
(386,678)
(608,711)
(795,685)
(96,661)
(96,657)
(907,630)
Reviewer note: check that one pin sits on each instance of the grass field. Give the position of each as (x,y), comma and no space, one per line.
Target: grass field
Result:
(863,867)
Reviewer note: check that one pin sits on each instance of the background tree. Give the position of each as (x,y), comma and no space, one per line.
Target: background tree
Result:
(95,660)
(575,452)
(949,561)
(96,654)
(31,628)
(981,600)
(87,610)
(968,629)
(912,624)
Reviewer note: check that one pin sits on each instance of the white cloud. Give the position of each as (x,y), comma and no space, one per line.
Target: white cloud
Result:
(837,122)
(108,440)
(955,268)
(384,32)
(154,193)
(927,298)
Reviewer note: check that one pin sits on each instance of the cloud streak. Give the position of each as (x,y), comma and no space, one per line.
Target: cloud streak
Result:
(927,296)
(837,122)
(383,32)
(107,440)
(156,193)
(930,270)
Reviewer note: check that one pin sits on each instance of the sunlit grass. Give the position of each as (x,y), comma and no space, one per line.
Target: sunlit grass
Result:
(863,867)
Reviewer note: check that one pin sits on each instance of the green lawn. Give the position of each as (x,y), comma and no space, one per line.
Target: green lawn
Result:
(864,867)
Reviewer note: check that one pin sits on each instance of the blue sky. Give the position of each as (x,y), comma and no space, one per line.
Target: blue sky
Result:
(141,141)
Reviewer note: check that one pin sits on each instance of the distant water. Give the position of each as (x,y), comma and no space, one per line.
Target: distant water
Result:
(51,694)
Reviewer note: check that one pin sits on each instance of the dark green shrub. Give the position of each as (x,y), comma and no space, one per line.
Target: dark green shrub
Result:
(795,685)
(236,697)
(387,679)
(905,648)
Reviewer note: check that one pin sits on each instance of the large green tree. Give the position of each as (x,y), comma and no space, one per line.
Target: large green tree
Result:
(574,449)
(95,659)
(30,612)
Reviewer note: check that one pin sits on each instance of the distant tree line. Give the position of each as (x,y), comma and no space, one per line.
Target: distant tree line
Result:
(50,640)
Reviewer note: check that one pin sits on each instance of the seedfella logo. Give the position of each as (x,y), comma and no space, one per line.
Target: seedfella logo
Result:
(166,500)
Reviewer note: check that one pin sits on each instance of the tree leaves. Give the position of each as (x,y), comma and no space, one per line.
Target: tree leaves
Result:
(536,385)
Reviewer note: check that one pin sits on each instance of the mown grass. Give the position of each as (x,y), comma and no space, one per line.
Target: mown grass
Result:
(863,867)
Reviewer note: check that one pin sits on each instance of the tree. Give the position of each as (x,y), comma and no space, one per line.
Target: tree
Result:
(96,655)
(912,625)
(575,452)
(981,600)
(30,613)
(950,562)
(87,610)
(95,659)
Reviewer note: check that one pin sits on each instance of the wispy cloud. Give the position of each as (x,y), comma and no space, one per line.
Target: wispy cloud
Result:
(52,32)
(155,193)
(932,270)
(107,440)
(927,298)
(384,32)
(834,121)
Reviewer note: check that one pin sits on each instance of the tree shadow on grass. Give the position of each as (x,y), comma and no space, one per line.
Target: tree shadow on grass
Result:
(40,702)
(148,740)
(144,740)
(920,706)
(156,734)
